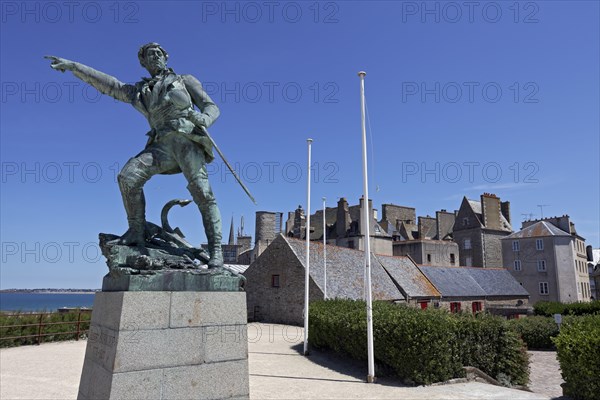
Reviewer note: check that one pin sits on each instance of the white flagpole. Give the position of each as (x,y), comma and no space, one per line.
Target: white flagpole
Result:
(307,274)
(324,251)
(367,224)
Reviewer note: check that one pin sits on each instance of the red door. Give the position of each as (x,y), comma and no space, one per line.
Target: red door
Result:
(424,305)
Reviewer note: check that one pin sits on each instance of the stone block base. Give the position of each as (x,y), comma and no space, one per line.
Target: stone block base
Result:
(166,345)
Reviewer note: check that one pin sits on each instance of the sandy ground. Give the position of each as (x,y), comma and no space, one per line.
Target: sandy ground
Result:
(277,371)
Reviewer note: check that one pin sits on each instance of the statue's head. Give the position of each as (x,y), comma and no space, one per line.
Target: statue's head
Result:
(153,57)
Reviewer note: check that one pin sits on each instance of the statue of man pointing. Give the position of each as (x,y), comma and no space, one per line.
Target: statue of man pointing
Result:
(176,143)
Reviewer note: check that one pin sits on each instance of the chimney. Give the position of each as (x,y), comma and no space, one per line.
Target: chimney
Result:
(589,253)
(370,213)
(505,208)
(490,211)
(342,218)
(299,222)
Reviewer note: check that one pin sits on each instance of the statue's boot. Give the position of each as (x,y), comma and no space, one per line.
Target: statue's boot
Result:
(135,206)
(211,218)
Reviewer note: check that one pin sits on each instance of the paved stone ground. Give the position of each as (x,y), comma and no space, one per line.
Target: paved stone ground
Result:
(545,375)
(277,371)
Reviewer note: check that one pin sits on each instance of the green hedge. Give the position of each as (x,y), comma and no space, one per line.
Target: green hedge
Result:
(578,350)
(33,320)
(549,308)
(421,346)
(536,331)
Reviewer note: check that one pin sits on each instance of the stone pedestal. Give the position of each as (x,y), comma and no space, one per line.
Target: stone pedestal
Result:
(166,345)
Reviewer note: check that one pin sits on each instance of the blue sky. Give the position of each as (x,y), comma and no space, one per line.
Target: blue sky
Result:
(497,97)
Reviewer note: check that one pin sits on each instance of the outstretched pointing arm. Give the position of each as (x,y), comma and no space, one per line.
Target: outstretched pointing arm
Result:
(105,83)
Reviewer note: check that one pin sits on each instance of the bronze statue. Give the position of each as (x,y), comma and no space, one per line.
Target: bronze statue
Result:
(178,140)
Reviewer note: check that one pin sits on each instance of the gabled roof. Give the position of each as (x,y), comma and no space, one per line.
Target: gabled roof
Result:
(453,282)
(345,271)
(476,207)
(539,229)
(497,282)
(407,275)
(392,277)
(473,282)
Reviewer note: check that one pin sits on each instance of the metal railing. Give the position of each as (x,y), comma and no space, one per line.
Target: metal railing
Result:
(40,324)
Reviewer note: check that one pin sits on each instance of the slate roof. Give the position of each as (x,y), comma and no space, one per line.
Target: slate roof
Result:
(239,268)
(473,282)
(453,282)
(345,271)
(539,229)
(408,276)
(476,207)
(497,282)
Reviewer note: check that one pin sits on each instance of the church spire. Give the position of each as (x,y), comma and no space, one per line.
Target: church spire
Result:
(231,230)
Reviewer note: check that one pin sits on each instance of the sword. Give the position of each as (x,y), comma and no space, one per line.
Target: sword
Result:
(207,135)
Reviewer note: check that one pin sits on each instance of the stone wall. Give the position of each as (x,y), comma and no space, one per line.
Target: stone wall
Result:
(445,223)
(394,213)
(493,248)
(283,304)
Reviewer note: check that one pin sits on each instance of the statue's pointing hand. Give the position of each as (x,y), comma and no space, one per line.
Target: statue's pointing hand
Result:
(61,64)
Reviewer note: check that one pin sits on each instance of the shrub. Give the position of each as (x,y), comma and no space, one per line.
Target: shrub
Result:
(420,346)
(416,345)
(52,333)
(487,342)
(549,308)
(536,331)
(578,350)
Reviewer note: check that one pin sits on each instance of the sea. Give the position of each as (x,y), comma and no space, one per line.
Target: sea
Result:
(48,302)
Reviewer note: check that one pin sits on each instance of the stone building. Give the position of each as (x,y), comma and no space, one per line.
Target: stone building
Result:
(428,241)
(593,258)
(275,281)
(267,228)
(439,253)
(478,230)
(238,249)
(548,258)
(344,227)
(478,289)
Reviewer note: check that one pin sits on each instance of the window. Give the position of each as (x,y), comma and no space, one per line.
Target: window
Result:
(517,265)
(515,245)
(467,244)
(468,261)
(465,221)
(541,265)
(539,244)
(274,280)
(543,287)
(476,306)
(452,259)
(455,307)
(429,258)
